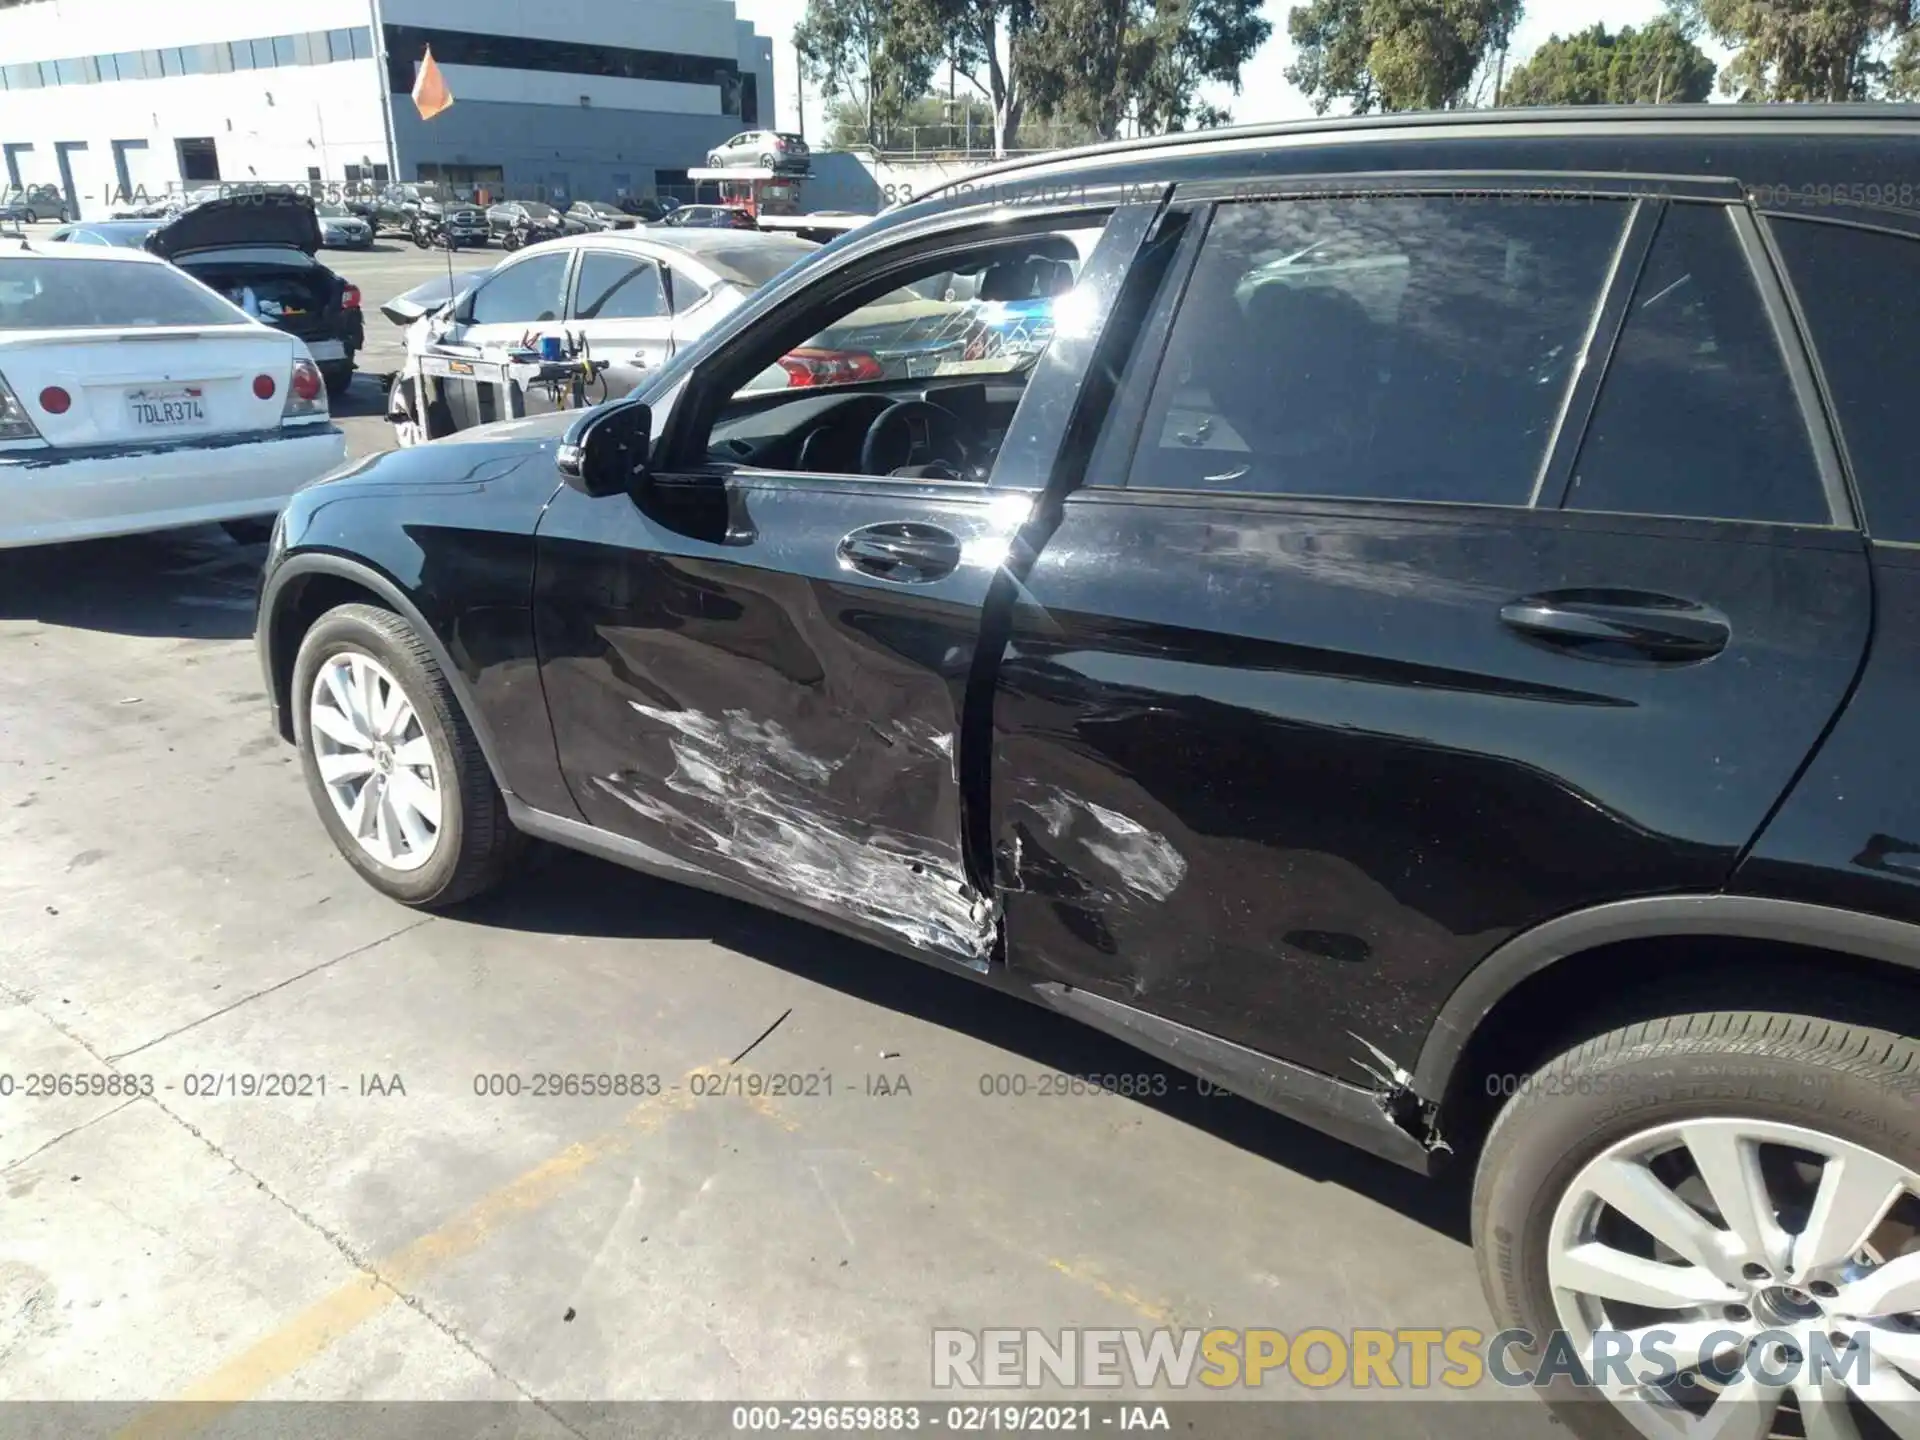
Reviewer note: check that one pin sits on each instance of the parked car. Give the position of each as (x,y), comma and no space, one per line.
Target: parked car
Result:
(535,220)
(599,215)
(461,221)
(710,217)
(1448,690)
(631,298)
(32,203)
(127,234)
(257,249)
(647,209)
(133,398)
(763,150)
(341,229)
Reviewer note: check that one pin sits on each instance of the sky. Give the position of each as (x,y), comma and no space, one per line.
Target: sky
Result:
(1264,91)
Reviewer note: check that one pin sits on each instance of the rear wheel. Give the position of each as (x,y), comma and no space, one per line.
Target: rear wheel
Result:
(32,218)
(339,378)
(1735,1193)
(392,765)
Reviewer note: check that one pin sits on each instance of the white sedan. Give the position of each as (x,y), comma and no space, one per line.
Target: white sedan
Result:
(132,398)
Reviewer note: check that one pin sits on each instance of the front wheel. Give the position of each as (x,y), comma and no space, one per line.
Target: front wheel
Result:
(1710,1213)
(392,764)
(32,218)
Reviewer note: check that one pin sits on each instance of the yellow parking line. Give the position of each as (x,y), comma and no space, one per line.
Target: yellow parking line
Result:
(320,1325)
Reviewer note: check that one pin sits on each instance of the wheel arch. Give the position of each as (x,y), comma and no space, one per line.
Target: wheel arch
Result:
(1538,989)
(305,587)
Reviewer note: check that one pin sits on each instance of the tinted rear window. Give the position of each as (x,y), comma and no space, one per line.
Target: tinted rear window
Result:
(50,294)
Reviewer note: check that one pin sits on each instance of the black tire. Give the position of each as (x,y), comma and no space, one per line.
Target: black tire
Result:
(254,530)
(477,842)
(32,218)
(766,162)
(1851,1081)
(339,380)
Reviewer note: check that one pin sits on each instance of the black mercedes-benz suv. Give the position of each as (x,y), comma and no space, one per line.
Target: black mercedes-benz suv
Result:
(1419,630)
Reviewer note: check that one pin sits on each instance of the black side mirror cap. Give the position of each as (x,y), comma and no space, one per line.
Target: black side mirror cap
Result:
(605,452)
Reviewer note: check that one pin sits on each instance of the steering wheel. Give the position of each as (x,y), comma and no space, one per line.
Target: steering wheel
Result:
(912,432)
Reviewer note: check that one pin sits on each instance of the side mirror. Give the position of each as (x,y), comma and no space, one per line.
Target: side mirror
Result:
(605,452)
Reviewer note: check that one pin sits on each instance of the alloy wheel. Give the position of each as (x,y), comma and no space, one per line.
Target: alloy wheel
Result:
(375,760)
(1753,1246)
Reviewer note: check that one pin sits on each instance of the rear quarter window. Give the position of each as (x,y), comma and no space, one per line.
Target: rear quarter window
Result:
(1859,291)
(49,294)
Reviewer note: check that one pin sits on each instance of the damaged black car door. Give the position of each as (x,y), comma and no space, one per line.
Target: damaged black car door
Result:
(757,663)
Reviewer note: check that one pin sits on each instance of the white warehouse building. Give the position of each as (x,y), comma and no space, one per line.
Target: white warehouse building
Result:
(589,99)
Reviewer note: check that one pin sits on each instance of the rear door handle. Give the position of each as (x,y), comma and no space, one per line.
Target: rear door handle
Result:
(903,551)
(1659,627)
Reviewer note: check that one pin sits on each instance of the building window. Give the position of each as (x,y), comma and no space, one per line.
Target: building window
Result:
(749,99)
(172,63)
(340,44)
(405,43)
(363,44)
(215,59)
(283,50)
(240,55)
(23,77)
(199,161)
(262,54)
(69,72)
(155,66)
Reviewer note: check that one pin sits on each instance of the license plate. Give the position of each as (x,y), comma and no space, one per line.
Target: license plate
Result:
(325,349)
(167,409)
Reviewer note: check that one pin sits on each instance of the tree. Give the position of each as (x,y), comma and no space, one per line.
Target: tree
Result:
(984,40)
(1654,64)
(858,53)
(1099,63)
(1395,54)
(1806,49)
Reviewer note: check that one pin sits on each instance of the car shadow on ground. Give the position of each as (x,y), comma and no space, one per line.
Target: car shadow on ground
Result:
(199,584)
(575,894)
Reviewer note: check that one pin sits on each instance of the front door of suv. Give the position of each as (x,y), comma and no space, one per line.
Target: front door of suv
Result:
(1381,628)
(758,668)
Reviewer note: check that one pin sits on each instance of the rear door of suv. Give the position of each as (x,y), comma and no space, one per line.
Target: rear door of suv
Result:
(1380,626)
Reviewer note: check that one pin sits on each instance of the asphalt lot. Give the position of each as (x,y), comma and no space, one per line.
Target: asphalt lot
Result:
(173,914)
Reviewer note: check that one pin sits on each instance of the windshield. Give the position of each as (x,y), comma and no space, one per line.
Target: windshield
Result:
(42,293)
(331,211)
(537,210)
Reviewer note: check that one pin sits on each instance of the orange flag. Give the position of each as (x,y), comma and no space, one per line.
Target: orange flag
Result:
(430,93)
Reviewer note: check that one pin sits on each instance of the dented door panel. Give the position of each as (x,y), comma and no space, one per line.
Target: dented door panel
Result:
(1276,770)
(757,710)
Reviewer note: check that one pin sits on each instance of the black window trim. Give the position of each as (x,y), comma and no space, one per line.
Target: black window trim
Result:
(1550,487)
(1790,334)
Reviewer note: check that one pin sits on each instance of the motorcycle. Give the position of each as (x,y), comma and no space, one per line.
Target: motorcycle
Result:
(520,233)
(430,233)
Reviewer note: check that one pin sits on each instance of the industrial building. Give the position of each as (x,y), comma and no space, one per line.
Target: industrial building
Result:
(105,98)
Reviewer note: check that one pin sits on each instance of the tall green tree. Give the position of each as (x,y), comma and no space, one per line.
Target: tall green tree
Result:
(984,40)
(1806,49)
(1654,64)
(858,53)
(1395,54)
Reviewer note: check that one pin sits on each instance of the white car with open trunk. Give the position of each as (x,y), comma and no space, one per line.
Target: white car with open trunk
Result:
(134,398)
